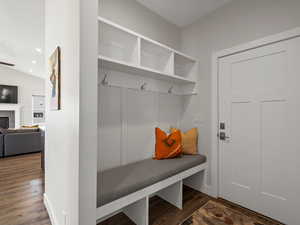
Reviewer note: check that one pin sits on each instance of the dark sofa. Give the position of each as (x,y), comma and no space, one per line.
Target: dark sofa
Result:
(16,142)
(1,145)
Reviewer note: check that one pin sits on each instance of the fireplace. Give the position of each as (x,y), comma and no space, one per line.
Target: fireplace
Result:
(4,122)
(12,111)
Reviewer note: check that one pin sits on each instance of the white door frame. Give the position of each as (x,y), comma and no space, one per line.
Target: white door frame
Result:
(215,173)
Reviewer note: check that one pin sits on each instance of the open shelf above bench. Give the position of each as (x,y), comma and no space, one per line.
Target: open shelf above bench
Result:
(183,66)
(112,64)
(156,57)
(117,44)
(125,51)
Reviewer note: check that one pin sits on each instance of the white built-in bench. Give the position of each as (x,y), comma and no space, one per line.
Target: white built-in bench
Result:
(128,188)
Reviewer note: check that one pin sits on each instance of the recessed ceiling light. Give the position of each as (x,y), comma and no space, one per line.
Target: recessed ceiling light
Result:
(30,71)
(33,62)
(38,50)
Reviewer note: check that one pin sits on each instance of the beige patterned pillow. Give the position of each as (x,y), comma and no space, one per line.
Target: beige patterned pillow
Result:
(189,141)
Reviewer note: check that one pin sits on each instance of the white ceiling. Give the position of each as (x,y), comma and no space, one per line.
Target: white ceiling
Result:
(22,35)
(22,27)
(183,12)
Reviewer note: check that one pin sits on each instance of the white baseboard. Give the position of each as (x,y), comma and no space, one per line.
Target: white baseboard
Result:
(208,189)
(49,209)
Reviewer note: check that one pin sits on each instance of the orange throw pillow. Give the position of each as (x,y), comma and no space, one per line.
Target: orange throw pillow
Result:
(189,141)
(167,146)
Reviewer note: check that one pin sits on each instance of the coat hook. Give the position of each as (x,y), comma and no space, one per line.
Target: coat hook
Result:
(104,82)
(143,87)
(170,90)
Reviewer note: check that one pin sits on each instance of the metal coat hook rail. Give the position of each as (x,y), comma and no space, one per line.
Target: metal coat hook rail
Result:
(143,87)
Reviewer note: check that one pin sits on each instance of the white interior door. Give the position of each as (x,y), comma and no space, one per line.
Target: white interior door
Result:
(259,104)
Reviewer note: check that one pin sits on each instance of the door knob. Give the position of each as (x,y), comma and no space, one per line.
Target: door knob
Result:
(222,136)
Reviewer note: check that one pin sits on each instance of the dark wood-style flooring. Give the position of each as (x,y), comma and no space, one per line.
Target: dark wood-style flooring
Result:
(21,198)
(21,191)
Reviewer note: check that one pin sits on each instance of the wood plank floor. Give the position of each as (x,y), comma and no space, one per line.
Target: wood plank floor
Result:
(21,191)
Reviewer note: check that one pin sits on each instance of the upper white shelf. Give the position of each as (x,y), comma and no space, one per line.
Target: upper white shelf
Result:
(139,70)
(128,51)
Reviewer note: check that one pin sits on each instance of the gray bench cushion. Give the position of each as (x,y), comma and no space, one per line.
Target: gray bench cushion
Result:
(124,180)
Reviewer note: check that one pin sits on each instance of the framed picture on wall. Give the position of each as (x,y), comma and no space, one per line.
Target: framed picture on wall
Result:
(55,80)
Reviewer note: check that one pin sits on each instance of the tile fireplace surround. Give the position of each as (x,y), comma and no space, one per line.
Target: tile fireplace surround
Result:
(11,110)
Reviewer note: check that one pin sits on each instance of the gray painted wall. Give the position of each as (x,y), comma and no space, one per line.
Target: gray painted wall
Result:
(238,22)
(138,18)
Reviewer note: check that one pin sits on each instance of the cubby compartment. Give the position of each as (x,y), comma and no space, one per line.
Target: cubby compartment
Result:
(196,181)
(172,194)
(117,44)
(183,66)
(156,57)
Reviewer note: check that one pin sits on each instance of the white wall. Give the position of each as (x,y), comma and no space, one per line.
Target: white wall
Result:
(70,161)
(27,86)
(238,22)
(134,16)
(62,134)
(88,120)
